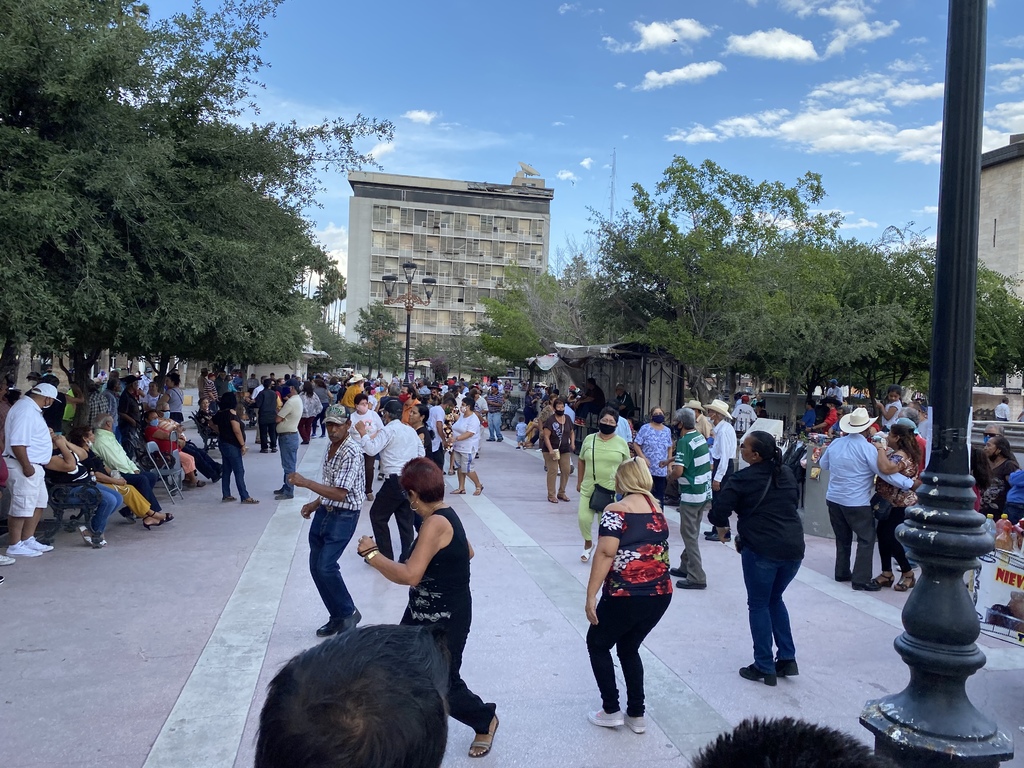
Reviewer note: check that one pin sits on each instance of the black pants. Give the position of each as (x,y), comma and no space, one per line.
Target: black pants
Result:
(438,457)
(464,705)
(143,483)
(889,546)
(391,500)
(658,489)
(268,433)
(623,622)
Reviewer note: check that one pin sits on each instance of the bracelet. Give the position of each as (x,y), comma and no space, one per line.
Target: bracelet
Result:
(367,552)
(370,555)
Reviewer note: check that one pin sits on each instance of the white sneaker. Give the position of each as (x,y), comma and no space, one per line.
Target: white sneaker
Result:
(636,724)
(5,560)
(20,550)
(605,720)
(31,543)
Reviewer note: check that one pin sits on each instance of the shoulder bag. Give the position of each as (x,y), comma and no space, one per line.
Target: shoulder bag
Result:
(601,497)
(881,507)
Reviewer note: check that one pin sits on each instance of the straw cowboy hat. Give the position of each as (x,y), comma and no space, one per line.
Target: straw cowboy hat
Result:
(856,422)
(695,405)
(720,408)
(356,379)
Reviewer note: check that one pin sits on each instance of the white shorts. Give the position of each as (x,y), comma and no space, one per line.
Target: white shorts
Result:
(27,493)
(464,462)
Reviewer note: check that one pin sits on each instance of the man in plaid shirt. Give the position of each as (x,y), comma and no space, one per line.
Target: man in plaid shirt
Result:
(339,499)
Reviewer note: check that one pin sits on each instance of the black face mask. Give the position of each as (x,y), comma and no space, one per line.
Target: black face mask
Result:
(606,429)
(560,411)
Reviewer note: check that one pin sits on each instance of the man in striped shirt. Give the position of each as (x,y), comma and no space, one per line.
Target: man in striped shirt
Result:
(692,466)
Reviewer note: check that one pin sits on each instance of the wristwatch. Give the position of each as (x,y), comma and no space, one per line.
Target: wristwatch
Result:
(372,554)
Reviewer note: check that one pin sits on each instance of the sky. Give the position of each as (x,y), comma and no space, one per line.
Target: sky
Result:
(770,89)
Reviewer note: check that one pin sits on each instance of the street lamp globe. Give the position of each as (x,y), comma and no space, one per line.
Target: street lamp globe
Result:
(409,268)
(389,284)
(429,283)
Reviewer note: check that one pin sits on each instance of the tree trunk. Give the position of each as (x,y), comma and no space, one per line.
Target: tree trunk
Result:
(9,358)
(794,404)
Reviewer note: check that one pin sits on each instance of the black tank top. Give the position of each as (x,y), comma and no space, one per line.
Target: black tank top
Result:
(443,592)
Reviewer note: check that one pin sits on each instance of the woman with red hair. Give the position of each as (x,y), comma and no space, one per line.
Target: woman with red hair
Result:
(437,573)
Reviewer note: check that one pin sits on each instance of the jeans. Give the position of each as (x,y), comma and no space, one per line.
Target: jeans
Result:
(689,529)
(1014,512)
(329,534)
(494,427)
(847,521)
(766,580)
(658,489)
(177,416)
(288,443)
(889,546)
(110,500)
(232,457)
(391,500)
(320,420)
(268,436)
(144,482)
(623,622)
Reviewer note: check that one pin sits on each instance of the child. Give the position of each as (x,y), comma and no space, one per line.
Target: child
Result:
(521,434)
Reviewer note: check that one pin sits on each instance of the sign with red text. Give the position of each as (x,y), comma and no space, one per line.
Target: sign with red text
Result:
(998,591)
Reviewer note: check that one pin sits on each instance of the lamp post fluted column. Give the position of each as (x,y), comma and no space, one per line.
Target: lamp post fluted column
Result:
(409,299)
(932,722)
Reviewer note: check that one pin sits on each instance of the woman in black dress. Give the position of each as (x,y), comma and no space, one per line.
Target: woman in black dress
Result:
(437,573)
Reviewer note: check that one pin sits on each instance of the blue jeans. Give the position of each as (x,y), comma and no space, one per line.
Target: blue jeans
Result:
(766,580)
(232,457)
(329,534)
(110,500)
(288,445)
(494,426)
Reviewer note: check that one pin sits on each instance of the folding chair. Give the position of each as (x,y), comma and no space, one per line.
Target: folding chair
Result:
(170,475)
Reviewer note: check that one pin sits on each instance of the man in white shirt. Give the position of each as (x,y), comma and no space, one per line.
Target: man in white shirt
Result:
(853,461)
(28,446)
(723,452)
(364,413)
(743,415)
(1003,410)
(435,419)
(834,390)
(397,444)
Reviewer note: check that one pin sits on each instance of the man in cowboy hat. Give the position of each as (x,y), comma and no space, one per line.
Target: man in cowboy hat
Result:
(352,388)
(723,452)
(704,425)
(853,461)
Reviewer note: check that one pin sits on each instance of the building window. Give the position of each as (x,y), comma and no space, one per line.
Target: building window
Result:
(407,218)
(380,215)
(486,223)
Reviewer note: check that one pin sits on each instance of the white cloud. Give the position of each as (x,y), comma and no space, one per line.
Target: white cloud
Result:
(1013,65)
(772,44)
(420,116)
(917,41)
(696,135)
(619,86)
(659,34)
(1015,42)
(860,223)
(850,18)
(381,149)
(557,124)
(916,63)
(1010,84)
(884,87)
(690,73)
(905,93)
(929,210)
(565,175)
(862,32)
(334,238)
(587,162)
(566,7)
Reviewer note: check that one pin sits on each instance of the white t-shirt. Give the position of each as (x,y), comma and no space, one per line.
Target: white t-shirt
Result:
(1003,412)
(888,422)
(372,420)
(467,424)
(25,426)
(436,414)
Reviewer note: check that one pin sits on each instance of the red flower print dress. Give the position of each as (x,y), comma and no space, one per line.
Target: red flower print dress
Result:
(640,568)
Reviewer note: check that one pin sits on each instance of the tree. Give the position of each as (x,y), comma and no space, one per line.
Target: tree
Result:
(138,213)
(376,328)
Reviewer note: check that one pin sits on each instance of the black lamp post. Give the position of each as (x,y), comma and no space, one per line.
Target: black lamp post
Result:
(410,299)
(932,722)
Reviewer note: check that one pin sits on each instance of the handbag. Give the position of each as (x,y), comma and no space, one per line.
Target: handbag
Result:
(881,507)
(601,497)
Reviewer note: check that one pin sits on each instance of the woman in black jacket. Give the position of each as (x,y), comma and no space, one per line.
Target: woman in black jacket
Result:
(771,546)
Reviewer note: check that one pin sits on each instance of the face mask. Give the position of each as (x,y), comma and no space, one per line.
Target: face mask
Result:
(658,418)
(559,411)
(154,422)
(403,397)
(606,429)
(986,437)
(362,408)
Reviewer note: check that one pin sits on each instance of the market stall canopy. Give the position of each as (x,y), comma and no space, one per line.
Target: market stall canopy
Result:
(544,362)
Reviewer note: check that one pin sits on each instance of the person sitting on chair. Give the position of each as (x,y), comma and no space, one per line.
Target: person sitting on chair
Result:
(159,431)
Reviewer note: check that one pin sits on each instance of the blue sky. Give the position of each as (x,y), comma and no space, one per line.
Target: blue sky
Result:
(850,89)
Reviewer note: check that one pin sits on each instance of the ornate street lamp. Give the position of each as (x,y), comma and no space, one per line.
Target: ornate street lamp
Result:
(932,722)
(410,299)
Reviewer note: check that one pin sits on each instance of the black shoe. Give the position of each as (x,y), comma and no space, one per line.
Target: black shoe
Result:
(126,514)
(755,674)
(713,535)
(336,626)
(273,450)
(843,578)
(685,584)
(679,573)
(869,586)
(264,450)
(786,668)
(283,496)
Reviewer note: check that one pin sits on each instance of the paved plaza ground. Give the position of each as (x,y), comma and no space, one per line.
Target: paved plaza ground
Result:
(157,650)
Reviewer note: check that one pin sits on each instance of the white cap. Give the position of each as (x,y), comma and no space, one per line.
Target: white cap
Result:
(46,390)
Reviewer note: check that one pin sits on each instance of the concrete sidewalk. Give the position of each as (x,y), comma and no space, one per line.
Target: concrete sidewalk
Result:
(157,650)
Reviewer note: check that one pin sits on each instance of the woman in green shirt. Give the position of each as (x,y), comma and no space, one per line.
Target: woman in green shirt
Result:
(600,456)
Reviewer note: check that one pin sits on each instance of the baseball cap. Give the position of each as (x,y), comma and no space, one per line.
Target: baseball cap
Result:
(336,414)
(46,390)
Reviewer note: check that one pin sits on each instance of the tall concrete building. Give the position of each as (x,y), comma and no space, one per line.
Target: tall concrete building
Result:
(1000,237)
(464,234)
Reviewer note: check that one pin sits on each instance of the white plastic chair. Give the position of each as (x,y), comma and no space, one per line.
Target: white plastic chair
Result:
(170,476)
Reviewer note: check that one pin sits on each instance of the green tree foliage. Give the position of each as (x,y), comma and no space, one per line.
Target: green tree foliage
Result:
(137,211)
(376,328)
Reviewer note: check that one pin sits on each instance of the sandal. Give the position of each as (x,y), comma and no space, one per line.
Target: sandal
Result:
(458,491)
(478,491)
(484,741)
(450,473)
(587,552)
(250,500)
(229,498)
(563,497)
(552,499)
(907,580)
(883,580)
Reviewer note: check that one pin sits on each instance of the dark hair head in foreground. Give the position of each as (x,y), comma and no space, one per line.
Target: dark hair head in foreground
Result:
(373,697)
(787,743)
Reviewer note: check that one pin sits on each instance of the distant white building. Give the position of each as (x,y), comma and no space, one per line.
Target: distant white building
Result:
(462,233)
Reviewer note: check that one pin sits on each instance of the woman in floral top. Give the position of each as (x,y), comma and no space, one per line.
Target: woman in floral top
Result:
(653,443)
(903,451)
(631,569)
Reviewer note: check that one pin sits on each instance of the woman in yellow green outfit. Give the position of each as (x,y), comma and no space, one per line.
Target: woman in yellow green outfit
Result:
(600,456)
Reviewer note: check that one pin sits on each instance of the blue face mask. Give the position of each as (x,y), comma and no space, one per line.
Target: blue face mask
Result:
(986,437)
(154,423)
(658,418)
